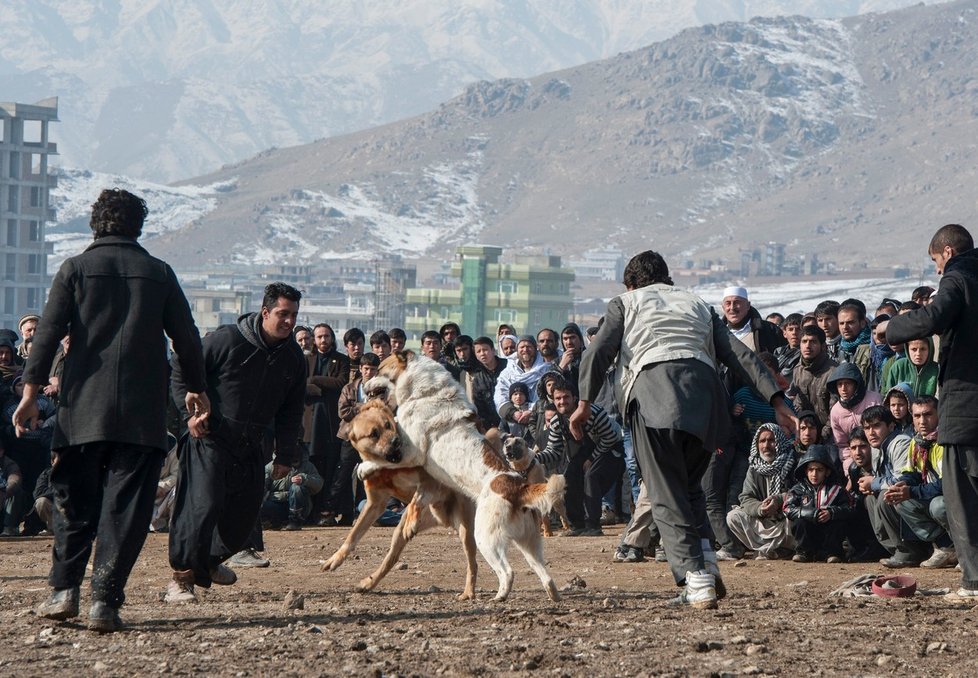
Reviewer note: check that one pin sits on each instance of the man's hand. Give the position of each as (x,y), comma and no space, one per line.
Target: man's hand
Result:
(522,416)
(567,359)
(897,493)
(297,479)
(199,409)
(279,471)
(198,427)
(823,516)
(866,484)
(737,410)
(784,416)
(578,418)
(768,507)
(53,387)
(26,416)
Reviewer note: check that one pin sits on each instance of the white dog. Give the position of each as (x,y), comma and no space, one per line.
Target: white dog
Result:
(439,433)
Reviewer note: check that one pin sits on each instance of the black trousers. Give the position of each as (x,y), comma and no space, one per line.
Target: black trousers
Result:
(820,539)
(341,492)
(722,485)
(102,490)
(218,496)
(673,463)
(960,478)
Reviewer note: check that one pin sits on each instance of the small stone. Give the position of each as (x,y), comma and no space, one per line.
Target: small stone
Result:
(294,601)
(401,566)
(751,670)
(714,645)
(577,583)
(100,666)
(754,649)
(935,647)
(740,563)
(603,646)
(46,635)
(739,640)
(530,665)
(609,602)
(358,646)
(883,659)
(314,629)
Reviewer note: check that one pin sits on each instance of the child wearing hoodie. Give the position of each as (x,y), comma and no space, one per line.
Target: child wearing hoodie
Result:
(918,369)
(519,396)
(848,385)
(898,401)
(818,508)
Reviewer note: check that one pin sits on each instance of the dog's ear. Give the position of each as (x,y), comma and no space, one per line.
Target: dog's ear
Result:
(406,356)
(495,437)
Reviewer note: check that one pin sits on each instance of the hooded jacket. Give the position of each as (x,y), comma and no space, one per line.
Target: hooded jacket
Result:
(805,500)
(951,314)
(843,418)
(903,388)
(810,386)
(922,380)
(252,386)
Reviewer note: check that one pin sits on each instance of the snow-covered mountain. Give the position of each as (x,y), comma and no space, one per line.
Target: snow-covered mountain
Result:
(167,89)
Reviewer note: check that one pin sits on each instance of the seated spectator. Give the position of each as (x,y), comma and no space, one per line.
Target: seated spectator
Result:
(13,498)
(289,499)
(591,465)
(809,432)
(898,400)
(859,532)
(891,454)
(918,369)
(818,508)
(518,423)
(758,521)
(922,294)
(918,493)
(847,384)
(44,499)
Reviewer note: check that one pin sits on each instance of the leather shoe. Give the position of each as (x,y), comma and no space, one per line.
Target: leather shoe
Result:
(103,619)
(60,605)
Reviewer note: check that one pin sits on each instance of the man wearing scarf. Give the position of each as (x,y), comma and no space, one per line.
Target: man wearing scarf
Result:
(809,379)
(854,347)
(759,521)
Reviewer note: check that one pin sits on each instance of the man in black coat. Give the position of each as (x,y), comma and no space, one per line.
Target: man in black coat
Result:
(953,313)
(115,302)
(328,371)
(256,381)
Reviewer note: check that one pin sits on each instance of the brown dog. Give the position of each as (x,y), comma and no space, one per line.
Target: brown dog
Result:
(374,434)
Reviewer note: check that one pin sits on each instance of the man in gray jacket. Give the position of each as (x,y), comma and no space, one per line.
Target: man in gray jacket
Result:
(115,302)
(667,344)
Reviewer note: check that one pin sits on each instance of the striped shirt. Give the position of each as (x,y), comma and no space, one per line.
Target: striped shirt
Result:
(600,427)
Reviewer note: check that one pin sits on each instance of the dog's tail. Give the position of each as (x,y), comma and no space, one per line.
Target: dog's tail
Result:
(544,496)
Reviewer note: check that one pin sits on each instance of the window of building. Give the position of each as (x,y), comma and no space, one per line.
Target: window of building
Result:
(34,263)
(9,299)
(13,204)
(35,231)
(505,316)
(215,305)
(538,287)
(12,232)
(33,297)
(32,131)
(508,286)
(35,163)
(10,270)
(14,165)
(35,196)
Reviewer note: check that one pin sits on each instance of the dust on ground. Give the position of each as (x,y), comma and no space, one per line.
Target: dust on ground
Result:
(613,619)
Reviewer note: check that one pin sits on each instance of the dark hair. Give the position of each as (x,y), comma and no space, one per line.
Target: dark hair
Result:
(553,332)
(780,318)
(922,292)
(380,337)
(449,326)
(562,385)
(431,334)
(519,386)
(954,236)
(812,419)
(827,307)
(792,319)
(769,360)
(300,328)
(926,400)
(858,433)
(882,317)
(853,305)
(463,340)
(485,341)
(644,269)
(880,310)
(118,212)
(813,331)
(909,306)
(276,290)
(370,359)
(318,325)
(353,335)
(875,415)
(397,333)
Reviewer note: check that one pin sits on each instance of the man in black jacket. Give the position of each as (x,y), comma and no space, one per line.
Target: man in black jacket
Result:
(256,380)
(110,437)
(952,313)
(328,371)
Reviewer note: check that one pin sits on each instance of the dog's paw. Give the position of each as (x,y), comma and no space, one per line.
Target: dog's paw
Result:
(365,469)
(466,595)
(364,585)
(334,562)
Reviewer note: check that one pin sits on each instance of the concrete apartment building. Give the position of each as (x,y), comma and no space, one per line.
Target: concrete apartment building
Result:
(530,293)
(25,185)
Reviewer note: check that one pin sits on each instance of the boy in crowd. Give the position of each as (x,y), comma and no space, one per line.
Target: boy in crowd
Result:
(847,384)
(859,531)
(788,356)
(918,369)
(897,401)
(891,454)
(809,432)
(918,493)
(827,319)
(818,508)
(809,379)
(759,521)
(380,344)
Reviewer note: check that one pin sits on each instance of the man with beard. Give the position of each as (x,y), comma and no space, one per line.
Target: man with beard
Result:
(115,301)
(256,381)
(809,379)
(328,371)
(528,367)
(570,361)
(547,345)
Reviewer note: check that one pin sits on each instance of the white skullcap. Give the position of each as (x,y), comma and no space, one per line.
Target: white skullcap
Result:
(734,291)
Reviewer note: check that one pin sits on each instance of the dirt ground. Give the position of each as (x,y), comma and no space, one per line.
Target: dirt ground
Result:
(613,620)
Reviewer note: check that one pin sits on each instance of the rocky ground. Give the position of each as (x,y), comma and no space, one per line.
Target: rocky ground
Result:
(613,619)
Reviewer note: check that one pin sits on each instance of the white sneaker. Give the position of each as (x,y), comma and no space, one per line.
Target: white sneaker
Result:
(712,567)
(942,558)
(725,554)
(699,592)
(248,558)
(178,592)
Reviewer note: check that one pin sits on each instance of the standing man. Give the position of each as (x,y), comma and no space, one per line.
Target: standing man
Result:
(256,378)
(115,301)
(667,343)
(952,313)
(328,371)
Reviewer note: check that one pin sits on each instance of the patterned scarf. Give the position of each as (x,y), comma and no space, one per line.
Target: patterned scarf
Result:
(862,338)
(781,467)
(920,454)
(878,355)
